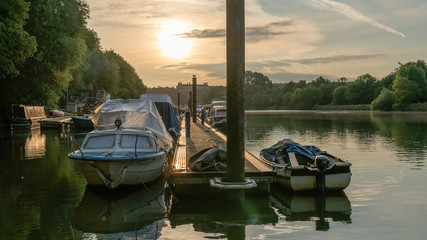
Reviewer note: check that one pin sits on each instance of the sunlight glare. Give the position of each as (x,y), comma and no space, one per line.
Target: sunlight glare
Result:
(171,43)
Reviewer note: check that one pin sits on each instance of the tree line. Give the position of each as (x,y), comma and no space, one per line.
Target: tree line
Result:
(46,49)
(405,88)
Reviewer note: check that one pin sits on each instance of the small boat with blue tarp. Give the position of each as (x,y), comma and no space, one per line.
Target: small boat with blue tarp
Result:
(306,168)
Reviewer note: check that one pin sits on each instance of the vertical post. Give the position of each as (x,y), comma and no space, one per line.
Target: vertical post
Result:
(194,98)
(179,104)
(190,100)
(235,91)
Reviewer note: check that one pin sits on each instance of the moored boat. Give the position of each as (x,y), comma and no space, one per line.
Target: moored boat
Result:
(217,115)
(83,122)
(129,146)
(306,168)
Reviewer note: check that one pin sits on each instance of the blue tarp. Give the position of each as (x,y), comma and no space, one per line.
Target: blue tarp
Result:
(165,108)
(287,145)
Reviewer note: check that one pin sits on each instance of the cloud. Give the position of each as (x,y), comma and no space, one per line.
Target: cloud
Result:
(253,34)
(352,13)
(205,33)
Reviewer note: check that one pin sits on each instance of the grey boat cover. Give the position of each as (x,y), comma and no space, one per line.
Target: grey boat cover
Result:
(134,114)
(208,159)
(166,110)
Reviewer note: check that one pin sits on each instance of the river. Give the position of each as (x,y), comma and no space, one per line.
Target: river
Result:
(43,194)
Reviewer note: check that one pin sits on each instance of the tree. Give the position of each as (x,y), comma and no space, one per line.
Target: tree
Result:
(363,90)
(305,98)
(255,78)
(405,92)
(384,101)
(16,44)
(339,96)
(415,73)
(57,26)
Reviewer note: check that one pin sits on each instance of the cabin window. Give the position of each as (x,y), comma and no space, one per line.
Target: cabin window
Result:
(100,141)
(143,142)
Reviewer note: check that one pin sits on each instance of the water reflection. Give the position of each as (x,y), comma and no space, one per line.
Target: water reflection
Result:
(316,208)
(220,219)
(135,213)
(26,144)
(407,131)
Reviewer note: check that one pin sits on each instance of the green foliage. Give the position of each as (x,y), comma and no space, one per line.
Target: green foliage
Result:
(363,90)
(306,98)
(416,75)
(384,101)
(405,91)
(16,44)
(338,96)
(255,78)
(212,94)
(57,27)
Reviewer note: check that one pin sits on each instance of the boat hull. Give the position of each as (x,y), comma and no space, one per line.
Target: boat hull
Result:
(115,172)
(82,123)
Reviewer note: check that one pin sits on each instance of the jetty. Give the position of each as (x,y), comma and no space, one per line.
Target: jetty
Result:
(184,181)
(55,122)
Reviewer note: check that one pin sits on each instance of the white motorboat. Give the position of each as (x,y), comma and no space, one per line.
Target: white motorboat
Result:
(129,146)
(306,168)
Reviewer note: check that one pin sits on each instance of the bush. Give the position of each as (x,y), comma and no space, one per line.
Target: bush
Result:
(384,101)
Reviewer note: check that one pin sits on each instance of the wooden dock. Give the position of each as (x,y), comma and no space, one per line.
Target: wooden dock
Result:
(185,181)
(55,122)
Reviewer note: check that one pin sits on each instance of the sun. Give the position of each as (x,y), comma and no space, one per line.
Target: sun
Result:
(172,44)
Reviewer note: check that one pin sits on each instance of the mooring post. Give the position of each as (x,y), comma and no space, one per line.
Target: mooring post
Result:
(235,94)
(179,104)
(194,98)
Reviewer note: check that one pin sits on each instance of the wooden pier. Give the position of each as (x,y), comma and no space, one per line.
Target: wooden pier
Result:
(185,181)
(55,122)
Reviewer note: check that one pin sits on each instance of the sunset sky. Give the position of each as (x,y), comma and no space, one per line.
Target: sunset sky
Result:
(167,41)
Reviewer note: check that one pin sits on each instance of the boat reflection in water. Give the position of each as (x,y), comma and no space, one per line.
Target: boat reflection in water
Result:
(220,219)
(135,213)
(312,207)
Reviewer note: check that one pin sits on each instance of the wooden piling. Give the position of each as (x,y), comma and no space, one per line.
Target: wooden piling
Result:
(235,92)
(194,98)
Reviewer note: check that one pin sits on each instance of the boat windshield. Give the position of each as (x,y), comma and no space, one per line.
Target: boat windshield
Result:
(142,143)
(100,141)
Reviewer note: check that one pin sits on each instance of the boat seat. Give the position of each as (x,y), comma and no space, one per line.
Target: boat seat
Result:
(293,159)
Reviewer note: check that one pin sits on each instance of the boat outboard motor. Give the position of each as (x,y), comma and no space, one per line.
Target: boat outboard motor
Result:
(321,162)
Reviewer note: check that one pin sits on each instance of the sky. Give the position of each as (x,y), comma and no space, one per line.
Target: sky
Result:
(169,41)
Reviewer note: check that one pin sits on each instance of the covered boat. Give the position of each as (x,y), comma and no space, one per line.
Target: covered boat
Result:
(217,115)
(305,168)
(129,146)
(166,110)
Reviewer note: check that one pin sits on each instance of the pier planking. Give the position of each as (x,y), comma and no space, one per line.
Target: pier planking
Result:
(185,181)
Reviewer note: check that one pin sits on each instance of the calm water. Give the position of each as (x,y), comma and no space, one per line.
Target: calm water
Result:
(43,194)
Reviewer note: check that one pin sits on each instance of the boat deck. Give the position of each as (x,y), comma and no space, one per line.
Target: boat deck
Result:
(55,122)
(184,180)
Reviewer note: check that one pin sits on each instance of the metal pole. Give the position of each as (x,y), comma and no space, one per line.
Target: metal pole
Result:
(235,91)
(194,98)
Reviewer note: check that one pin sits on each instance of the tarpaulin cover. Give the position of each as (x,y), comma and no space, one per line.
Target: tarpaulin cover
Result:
(287,145)
(166,110)
(134,114)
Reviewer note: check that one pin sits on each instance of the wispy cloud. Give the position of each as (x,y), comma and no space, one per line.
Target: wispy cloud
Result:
(253,34)
(352,13)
